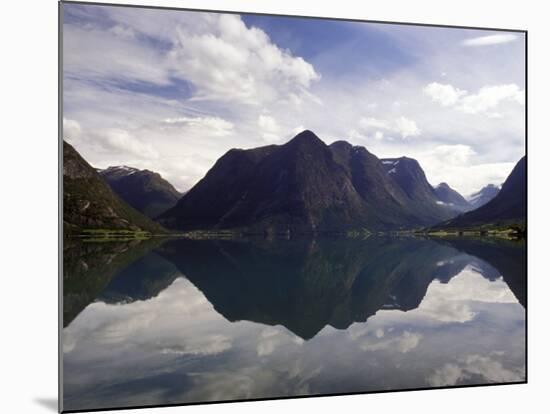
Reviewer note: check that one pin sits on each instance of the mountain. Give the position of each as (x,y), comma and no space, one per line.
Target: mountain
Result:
(144,190)
(451,198)
(302,186)
(483,196)
(410,177)
(508,207)
(89,202)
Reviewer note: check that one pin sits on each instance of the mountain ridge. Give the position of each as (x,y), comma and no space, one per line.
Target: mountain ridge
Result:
(144,190)
(90,203)
(509,206)
(301,186)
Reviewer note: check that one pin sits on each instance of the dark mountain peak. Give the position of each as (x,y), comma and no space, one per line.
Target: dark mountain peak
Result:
(74,166)
(451,198)
(406,161)
(408,173)
(483,196)
(305,137)
(344,150)
(516,178)
(118,171)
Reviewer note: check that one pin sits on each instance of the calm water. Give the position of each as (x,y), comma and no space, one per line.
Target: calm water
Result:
(186,321)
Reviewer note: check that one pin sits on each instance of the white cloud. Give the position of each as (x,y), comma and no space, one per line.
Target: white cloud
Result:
(374,127)
(496,39)
(71,129)
(123,31)
(457,154)
(489,97)
(368,123)
(119,140)
(446,95)
(485,101)
(403,343)
(470,366)
(451,302)
(214,126)
(85,55)
(270,129)
(212,344)
(406,127)
(254,70)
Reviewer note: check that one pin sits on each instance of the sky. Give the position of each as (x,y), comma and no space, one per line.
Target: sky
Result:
(172,91)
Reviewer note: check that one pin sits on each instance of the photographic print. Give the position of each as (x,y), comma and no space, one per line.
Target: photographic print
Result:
(263,206)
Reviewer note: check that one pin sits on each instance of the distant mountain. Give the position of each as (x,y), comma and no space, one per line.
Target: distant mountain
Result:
(144,190)
(89,202)
(451,198)
(483,196)
(507,207)
(301,186)
(410,177)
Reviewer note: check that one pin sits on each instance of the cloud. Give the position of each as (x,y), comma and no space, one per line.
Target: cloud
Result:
(130,69)
(378,339)
(458,154)
(86,56)
(403,343)
(451,302)
(496,39)
(254,70)
(487,99)
(470,366)
(71,129)
(214,126)
(272,337)
(378,128)
(368,123)
(270,129)
(406,127)
(209,345)
(119,140)
(446,95)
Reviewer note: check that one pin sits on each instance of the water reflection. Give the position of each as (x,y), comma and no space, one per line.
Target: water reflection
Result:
(202,320)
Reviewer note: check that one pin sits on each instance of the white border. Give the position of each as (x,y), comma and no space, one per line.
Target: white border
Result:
(29,202)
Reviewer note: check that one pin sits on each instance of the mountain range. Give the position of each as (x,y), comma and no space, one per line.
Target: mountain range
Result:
(452,198)
(508,207)
(144,190)
(302,186)
(483,196)
(90,203)
(306,186)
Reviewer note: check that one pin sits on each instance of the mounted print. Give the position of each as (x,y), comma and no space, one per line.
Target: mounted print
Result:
(266,206)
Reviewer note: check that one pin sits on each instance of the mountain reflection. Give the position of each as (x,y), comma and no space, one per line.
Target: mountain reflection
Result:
(159,322)
(305,285)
